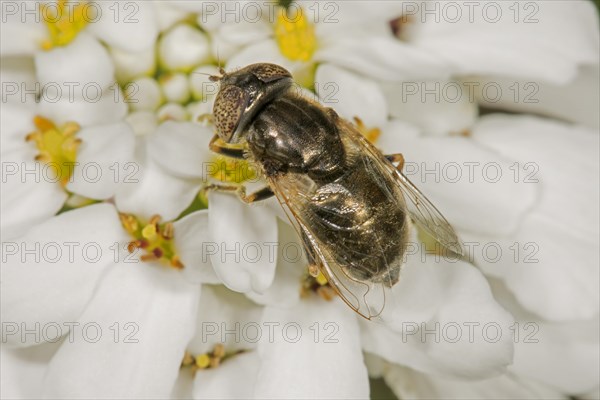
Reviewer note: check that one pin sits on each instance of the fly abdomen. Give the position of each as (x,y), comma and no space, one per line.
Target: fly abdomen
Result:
(359,214)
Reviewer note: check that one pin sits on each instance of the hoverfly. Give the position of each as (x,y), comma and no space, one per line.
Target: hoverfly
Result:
(349,203)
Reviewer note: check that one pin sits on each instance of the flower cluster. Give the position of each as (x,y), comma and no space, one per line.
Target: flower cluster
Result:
(124,277)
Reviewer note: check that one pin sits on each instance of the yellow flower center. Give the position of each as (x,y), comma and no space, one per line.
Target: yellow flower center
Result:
(295,34)
(227,169)
(57,145)
(152,237)
(64,19)
(372,134)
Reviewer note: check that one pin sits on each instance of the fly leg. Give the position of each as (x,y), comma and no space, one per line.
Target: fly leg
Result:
(396,158)
(240,191)
(217,146)
(311,257)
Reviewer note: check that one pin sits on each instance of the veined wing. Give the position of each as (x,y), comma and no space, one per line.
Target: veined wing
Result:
(421,210)
(294,192)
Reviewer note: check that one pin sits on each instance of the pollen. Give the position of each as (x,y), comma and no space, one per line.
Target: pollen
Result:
(321,279)
(64,19)
(231,170)
(295,34)
(153,238)
(372,134)
(149,232)
(209,360)
(57,146)
(203,361)
(316,285)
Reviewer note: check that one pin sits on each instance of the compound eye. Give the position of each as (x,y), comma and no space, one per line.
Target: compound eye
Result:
(227,110)
(269,72)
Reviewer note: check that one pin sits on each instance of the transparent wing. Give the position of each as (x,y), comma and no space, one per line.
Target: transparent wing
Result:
(421,210)
(427,216)
(366,298)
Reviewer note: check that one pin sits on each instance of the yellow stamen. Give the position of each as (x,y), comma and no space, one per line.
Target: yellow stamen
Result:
(318,285)
(153,238)
(372,134)
(295,34)
(203,361)
(188,359)
(321,279)
(208,360)
(64,19)
(57,146)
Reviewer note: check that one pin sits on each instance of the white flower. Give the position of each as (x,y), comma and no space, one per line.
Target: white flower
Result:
(57,23)
(74,144)
(492,55)
(471,328)
(538,222)
(145,311)
(178,164)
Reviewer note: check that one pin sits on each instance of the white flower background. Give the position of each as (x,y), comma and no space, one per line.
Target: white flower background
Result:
(117,87)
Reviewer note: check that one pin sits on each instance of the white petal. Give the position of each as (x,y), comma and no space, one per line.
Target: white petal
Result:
(66,254)
(167,14)
(251,17)
(142,122)
(560,229)
(592,394)
(105,160)
(563,355)
(19,90)
(130,26)
(142,318)
(322,339)
(575,101)
(101,107)
(19,109)
(82,64)
(189,6)
(243,242)
(438,107)
(200,84)
(155,192)
(218,383)
(144,94)
(408,383)
(130,65)
(465,181)
(244,32)
(446,321)
(381,57)
(492,43)
(22,370)
(191,232)
(30,196)
(22,33)
(393,133)
(351,95)
(227,318)
(181,148)
(183,48)
(175,87)
(291,265)
(173,112)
